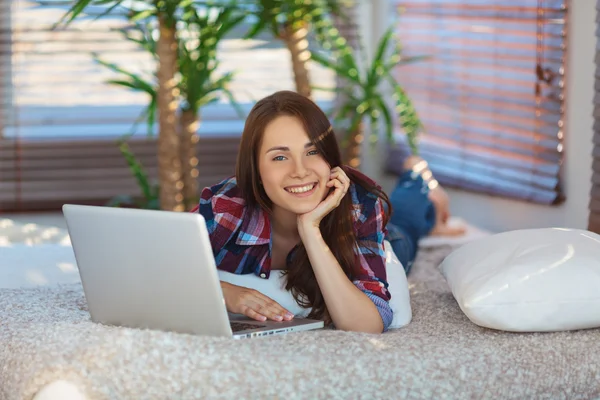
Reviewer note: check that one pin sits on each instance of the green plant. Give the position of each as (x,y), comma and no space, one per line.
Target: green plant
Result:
(290,21)
(197,84)
(169,19)
(363,98)
(150,190)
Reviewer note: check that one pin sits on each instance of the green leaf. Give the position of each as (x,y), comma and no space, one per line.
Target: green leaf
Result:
(383,44)
(409,120)
(137,170)
(131,85)
(339,69)
(152,107)
(110,9)
(405,61)
(389,123)
(257,28)
(74,12)
(140,15)
(120,200)
(136,82)
(229,25)
(234,103)
(146,40)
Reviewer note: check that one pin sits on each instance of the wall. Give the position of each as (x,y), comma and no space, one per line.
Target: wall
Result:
(498,214)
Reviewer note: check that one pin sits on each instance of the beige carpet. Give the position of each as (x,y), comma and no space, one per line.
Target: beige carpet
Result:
(46,334)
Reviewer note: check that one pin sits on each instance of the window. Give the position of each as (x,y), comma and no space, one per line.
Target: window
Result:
(59,120)
(491,95)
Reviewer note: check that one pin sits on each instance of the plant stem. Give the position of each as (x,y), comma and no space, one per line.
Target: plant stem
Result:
(169,171)
(189,140)
(297,43)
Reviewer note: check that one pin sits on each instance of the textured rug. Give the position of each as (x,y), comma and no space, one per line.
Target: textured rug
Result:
(46,334)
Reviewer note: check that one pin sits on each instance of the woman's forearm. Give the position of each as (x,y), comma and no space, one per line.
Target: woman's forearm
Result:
(349,308)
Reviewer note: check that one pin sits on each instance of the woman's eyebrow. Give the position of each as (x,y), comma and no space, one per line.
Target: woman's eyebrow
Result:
(285,148)
(278,148)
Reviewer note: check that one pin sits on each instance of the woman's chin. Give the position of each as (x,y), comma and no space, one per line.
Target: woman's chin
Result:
(301,208)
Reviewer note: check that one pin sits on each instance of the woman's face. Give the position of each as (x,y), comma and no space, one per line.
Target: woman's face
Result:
(292,171)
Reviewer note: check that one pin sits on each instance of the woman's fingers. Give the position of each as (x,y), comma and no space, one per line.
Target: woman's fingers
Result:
(249,312)
(337,174)
(260,305)
(275,308)
(273,311)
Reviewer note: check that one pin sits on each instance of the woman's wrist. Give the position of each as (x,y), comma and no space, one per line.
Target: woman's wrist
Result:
(308,229)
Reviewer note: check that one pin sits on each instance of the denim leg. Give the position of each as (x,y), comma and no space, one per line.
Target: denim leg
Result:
(413,217)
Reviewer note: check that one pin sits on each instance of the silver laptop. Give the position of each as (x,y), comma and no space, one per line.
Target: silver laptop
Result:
(156,270)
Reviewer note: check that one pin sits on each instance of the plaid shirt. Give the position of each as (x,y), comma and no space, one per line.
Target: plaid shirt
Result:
(241,238)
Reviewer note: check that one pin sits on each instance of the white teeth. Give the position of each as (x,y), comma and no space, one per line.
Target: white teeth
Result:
(302,189)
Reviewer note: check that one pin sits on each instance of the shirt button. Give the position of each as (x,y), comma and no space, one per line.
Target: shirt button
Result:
(263,275)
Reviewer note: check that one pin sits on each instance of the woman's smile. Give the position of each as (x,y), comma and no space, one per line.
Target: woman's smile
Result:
(305,190)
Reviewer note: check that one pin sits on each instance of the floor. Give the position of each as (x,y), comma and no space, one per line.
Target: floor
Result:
(46,218)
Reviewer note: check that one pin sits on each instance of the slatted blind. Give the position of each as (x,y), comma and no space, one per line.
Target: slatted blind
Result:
(491,95)
(594,206)
(59,120)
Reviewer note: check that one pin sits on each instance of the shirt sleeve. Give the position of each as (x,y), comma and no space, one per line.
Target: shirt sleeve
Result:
(371,277)
(221,214)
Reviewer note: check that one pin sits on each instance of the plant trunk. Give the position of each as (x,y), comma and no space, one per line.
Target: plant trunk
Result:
(297,43)
(352,149)
(189,160)
(169,164)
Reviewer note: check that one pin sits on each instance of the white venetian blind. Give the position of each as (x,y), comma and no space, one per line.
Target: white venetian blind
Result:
(491,95)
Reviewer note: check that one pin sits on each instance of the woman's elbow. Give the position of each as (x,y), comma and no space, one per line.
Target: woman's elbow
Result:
(362,327)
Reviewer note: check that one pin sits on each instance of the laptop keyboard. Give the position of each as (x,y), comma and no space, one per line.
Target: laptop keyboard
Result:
(240,326)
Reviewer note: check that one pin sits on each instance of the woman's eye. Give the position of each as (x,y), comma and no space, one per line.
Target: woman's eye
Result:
(313,152)
(279,158)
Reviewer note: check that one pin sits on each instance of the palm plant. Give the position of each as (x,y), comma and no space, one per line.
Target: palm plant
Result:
(363,98)
(185,81)
(199,84)
(289,21)
(165,12)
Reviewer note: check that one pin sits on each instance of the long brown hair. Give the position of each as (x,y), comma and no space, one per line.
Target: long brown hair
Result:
(337,227)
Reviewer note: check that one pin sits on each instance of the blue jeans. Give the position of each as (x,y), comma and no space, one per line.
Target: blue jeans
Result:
(413,217)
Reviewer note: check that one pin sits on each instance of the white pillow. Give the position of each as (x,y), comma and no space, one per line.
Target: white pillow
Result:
(533,280)
(274,287)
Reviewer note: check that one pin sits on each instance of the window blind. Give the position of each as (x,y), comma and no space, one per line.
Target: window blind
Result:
(60,121)
(594,206)
(491,93)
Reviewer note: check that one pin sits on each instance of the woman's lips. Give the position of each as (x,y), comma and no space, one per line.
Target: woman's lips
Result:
(302,190)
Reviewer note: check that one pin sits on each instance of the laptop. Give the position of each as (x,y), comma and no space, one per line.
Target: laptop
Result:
(156,270)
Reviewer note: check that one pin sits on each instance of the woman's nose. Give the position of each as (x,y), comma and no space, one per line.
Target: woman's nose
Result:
(300,169)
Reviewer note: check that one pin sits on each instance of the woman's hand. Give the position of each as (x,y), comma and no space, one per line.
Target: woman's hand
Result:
(339,181)
(253,304)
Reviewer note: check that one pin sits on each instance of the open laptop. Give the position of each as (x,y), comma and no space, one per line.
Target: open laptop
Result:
(156,270)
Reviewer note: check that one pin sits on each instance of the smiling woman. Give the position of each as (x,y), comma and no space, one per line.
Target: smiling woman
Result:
(293,206)
(298,169)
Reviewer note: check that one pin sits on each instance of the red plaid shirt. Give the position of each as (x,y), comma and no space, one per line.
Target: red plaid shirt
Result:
(241,238)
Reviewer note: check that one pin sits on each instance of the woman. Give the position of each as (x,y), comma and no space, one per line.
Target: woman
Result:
(292,206)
